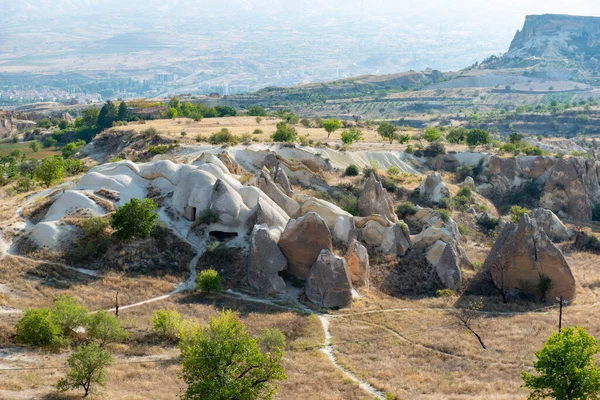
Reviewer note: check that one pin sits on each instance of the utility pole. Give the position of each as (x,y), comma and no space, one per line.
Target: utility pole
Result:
(117,305)
(560,312)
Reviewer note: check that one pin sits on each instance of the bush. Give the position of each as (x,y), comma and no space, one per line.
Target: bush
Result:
(465,191)
(406,209)
(223,136)
(543,287)
(106,328)
(488,224)
(457,135)
(516,212)
(50,170)
(393,170)
(464,171)
(208,216)
(209,281)
(532,151)
(352,170)
(409,149)
(509,147)
(389,185)
(445,293)
(445,203)
(443,214)
(462,203)
(434,149)
(351,136)
(349,203)
(69,314)
(284,133)
(136,218)
(94,226)
(463,230)
(156,150)
(166,324)
(38,327)
(258,131)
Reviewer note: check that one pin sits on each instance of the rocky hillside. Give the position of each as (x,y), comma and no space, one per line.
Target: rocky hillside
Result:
(562,41)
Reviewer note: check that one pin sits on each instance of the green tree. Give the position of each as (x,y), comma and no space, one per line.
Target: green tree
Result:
(70,149)
(222,361)
(209,281)
(566,368)
(175,103)
(87,366)
(167,324)
(136,218)
(107,115)
(172,113)
(516,212)
(90,116)
(50,170)
(123,113)
(105,328)
(256,111)
(432,134)
(387,131)
(477,137)
(284,133)
(352,135)
(457,135)
(331,125)
(38,327)
(69,314)
(35,146)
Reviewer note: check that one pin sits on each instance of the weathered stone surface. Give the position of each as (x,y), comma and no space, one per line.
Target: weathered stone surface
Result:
(230,163)
(521,254)
(551,225)
(433,189)
(469,182)
(564,191)
(326,210)
(386,240)
(357,259)
(445,260)
(265,262)
(429,236)
(302,241)
(374,199)
(344,231)
(263,181)
(328,283)
(280,178)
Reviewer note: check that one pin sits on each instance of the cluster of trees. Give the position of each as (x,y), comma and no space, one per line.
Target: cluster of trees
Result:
(175,108)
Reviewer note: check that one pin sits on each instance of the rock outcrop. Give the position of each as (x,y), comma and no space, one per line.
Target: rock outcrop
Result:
(357,259)
(265,261)
(433,189)
(392,239)
(302,241)
(446,262)
(264,182)
(551,225)
(328,284)
(230,163)
(374,199)
(523,254)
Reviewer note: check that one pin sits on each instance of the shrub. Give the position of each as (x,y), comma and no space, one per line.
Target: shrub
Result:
(284,133)
(349,203)
(352,170)
(223,136)
(445,293)
(38,327)
(532,151)
(94,226)
(50,170)
(208,216)
(543,286)
(258,131)
(488,224)
(69,314)
(463,230)
(209,281)
(477,137)
(406,209)
(155,150)
(393,170)
(516,212)
(306,122)
(409,149)
(389,185)
(434,149)
(166,324)
(443,214)
(87,366)
(462,203)
(465,191)
(457,135)
(445,203)
(464,171)
(106,328)
(509,147)
(351,136)
(136,218)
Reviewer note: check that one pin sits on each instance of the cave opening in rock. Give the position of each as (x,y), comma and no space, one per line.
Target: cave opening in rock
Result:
(221,236)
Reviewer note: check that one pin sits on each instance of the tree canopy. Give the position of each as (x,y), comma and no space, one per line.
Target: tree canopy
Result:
(477,137)
(136,218)
(566,367)
(331,125)
(387,131)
